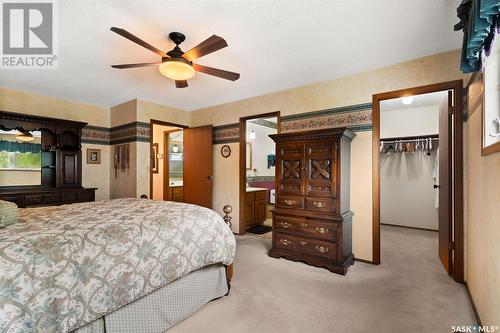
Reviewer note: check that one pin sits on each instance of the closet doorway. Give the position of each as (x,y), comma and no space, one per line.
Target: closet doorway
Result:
(417,166)
(257,172)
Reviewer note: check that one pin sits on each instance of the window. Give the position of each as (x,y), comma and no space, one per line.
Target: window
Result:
(20,154)
(16,160)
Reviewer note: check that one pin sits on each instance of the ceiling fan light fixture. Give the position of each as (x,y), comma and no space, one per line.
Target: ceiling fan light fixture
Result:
(177,69)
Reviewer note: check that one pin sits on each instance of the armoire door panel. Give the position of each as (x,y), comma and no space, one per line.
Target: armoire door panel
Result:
(290,169)
(69,173)
(321,169)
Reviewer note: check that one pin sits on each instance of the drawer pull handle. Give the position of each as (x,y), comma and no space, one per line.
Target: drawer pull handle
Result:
(321,230)
(285,242)
(319,204)
(290,202)
(303,225)
(321,249)
(285,225)
(303,243)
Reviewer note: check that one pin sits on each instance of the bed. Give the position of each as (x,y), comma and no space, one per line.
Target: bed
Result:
(123,265)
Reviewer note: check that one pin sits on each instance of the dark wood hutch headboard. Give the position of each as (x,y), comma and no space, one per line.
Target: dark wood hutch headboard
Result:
(61,162)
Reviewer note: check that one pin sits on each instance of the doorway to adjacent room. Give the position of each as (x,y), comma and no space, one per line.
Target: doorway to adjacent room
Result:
(417,167)
(257,172)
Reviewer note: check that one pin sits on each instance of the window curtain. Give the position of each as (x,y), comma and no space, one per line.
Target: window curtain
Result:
(20,147)
(479,19)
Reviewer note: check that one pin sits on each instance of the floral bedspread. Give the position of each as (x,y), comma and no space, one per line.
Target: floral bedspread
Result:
(63,267)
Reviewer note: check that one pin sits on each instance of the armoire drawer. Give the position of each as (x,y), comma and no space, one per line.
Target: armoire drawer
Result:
(319,204)
(311,228)
(290,201)
(305,245)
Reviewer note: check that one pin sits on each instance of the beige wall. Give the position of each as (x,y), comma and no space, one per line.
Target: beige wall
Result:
(226,182)
(20,177)
(148,110)
(123,113)
(97,175)
(40,105)
(354,89)
(123,183)
(482,220)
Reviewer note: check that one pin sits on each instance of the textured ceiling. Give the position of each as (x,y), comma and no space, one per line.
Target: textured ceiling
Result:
(275,45)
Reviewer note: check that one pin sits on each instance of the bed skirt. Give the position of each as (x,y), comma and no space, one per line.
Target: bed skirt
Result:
(166,306)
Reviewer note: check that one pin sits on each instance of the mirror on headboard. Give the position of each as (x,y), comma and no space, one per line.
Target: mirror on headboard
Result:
(20,158)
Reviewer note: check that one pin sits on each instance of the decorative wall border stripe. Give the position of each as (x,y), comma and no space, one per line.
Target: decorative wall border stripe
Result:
(328,112)
(226,133)
(132,132)
(356,117)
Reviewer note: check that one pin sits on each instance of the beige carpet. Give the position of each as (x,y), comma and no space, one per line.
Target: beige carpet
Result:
(408,292)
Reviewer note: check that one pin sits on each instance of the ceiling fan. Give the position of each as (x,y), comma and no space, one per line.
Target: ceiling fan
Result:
(177,64)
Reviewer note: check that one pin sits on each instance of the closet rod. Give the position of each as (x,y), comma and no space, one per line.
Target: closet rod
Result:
(406,141)
(403,138)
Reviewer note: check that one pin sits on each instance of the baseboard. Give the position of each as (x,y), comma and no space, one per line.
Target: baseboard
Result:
(408,227)
(476,313)
(364,261)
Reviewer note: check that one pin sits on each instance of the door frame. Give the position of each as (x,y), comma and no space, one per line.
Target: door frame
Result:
(162,123)
(457,174)
(243,160)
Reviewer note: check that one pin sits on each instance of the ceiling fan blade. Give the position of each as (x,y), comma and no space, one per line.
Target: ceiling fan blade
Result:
(217,72)
(137,40)
(208,46)
(144,64)
(181,84)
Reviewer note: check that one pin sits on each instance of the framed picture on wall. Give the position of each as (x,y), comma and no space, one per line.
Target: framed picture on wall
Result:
(154,158)
(93,156)
(491,102)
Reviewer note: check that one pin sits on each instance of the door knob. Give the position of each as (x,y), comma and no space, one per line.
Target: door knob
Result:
(436,186)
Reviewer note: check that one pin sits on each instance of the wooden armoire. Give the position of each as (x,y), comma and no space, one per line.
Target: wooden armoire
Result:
(312,221)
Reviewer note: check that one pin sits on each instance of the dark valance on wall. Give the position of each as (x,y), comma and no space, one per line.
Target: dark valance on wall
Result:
(20,147)
(479,19)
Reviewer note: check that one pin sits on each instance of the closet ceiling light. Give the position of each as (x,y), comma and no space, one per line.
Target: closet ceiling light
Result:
(253,135)
(407,100)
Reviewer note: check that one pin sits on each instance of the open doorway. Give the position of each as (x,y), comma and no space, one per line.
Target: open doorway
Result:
(257,173)
(167,161)
(417,169)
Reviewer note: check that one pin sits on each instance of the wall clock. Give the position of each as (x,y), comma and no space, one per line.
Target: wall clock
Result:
(225,151)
